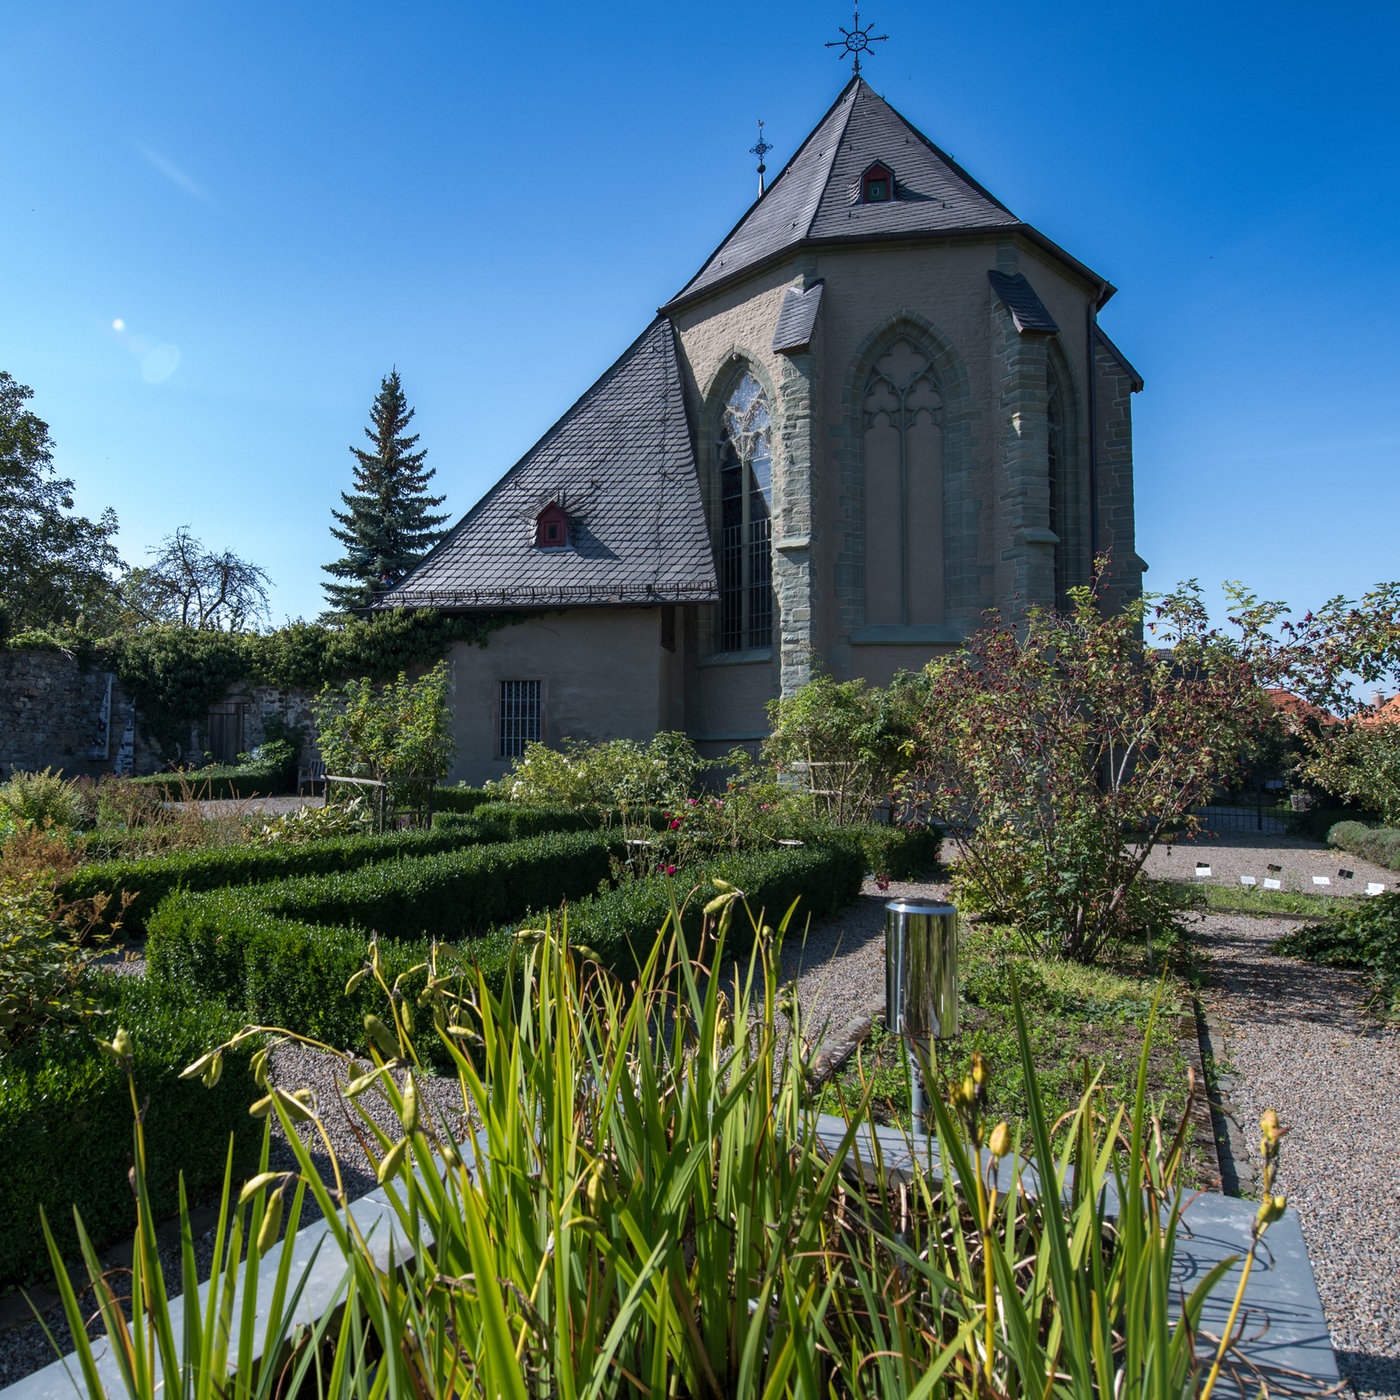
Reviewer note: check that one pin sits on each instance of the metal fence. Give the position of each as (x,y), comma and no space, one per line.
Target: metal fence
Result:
(1265,817)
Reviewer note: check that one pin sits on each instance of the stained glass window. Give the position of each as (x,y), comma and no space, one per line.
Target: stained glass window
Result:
(745,527)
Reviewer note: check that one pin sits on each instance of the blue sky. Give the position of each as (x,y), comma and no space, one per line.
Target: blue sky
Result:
(221,224)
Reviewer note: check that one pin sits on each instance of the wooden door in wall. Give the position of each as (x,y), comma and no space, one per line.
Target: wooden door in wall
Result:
(225,740)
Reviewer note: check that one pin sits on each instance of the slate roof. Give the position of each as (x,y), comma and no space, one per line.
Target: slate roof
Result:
(797,319)
(816,195)
(621,465)
(1020,299)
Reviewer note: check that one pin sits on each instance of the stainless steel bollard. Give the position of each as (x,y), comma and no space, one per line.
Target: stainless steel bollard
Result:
(921,970)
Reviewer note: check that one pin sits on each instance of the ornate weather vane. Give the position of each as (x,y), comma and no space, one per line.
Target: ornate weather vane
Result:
(856,41)
(760,151)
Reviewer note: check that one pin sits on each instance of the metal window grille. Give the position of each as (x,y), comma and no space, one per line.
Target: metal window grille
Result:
(522,716)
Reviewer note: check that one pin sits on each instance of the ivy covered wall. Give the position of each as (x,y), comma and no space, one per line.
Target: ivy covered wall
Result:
(52,688)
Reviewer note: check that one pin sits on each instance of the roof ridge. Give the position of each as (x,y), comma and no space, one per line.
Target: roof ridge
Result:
(777,181)
(856,83)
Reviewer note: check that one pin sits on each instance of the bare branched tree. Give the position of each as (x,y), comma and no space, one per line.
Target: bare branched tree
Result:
(191,586)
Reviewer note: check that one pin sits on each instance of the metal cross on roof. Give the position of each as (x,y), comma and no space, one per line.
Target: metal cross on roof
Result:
(856,41)
(760,151)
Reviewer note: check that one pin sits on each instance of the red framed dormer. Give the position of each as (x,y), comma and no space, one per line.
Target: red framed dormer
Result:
(552,528)
(877,184)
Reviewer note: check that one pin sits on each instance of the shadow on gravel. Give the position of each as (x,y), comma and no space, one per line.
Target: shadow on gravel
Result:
(1369,1373)
(1280,989)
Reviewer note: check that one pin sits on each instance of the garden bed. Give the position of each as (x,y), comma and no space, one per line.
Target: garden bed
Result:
(1080,1017)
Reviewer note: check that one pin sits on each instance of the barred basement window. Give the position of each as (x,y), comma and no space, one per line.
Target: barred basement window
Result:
(522,716)
(745,527)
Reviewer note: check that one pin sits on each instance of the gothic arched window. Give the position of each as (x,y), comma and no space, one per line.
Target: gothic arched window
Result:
(902,454)
(745,530)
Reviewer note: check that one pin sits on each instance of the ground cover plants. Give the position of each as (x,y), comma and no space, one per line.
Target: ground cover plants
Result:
(658,1218)
(1242,899)
(1366,937)
(1083,1021)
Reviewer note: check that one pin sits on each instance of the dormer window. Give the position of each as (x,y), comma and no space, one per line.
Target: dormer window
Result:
(877,185)
(551,528)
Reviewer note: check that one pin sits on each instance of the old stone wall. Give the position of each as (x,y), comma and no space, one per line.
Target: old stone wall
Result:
(52,716)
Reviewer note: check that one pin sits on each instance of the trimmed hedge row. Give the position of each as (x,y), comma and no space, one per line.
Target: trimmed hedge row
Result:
(291,972)
(151,879)
(66,1121)
(222,781)
(504,821)
(261,948)
(461,799)
(1380,844)
(892,851)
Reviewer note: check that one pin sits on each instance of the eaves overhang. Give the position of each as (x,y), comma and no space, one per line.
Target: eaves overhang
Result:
(1102,289)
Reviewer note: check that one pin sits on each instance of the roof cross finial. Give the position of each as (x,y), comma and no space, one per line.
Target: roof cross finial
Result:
(856,41)
(760,151)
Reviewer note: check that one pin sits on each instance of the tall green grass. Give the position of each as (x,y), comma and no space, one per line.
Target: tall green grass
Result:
(645,1208)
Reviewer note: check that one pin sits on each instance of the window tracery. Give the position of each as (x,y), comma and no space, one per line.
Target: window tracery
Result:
(902,453)
(745,526)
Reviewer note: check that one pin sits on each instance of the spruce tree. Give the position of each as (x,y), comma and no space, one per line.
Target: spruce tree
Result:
(388,524)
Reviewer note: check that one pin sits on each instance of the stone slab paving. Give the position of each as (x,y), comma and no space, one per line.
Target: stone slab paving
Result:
(1296,1038)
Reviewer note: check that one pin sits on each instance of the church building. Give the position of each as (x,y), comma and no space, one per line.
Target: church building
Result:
(883,406)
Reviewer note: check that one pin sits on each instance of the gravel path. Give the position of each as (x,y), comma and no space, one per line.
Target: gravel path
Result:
(1296,1039)
(1238,853)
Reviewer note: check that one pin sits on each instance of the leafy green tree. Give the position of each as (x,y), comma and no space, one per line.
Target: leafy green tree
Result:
(1331,656)
(398,733)
(388,524)
(1360,763)
(56,568)
(847,741)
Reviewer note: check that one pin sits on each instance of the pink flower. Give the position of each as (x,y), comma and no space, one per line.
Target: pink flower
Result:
(676,824)
(670,869)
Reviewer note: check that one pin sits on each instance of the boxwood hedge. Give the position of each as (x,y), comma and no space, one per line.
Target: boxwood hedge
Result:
(224,780)
(258,947)
(461,799)
(1380,844)
(259,953)
(66,1120)
(891,850)
(150,880)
